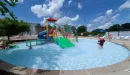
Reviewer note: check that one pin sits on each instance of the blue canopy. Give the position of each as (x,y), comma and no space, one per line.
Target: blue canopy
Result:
(102,30)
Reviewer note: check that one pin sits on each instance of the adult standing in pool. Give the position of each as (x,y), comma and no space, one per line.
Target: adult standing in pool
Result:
(101,41)
(110,37)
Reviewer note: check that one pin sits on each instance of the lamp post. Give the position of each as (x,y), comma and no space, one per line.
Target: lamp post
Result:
(30,47)
(118,31)
(108,31)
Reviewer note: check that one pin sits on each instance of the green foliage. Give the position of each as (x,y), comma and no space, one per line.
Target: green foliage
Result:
(82,29)
(23,26)
(125,26)
(107,30)
(73,29)
(9,27)
(4,7)
(67,28)
(96,32)
(7,42)
(86,33)
(38,25)
(115,27)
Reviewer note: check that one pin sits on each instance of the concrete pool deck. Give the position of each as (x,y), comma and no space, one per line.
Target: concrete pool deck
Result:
(122,68)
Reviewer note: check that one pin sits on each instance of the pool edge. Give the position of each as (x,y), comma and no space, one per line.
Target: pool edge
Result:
(115,68)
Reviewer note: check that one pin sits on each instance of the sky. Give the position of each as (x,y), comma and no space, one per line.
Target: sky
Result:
(92,13)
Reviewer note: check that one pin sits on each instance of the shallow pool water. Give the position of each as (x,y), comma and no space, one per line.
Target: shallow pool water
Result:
(86,54)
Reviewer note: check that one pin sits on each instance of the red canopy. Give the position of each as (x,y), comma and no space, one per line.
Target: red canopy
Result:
(51,19)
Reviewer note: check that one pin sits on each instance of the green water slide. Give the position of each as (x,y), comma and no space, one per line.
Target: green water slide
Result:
(63,42)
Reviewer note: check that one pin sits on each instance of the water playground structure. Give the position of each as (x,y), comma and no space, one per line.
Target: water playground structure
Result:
(53,33)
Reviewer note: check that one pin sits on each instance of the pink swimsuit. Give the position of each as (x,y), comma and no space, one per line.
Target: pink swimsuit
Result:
(101,41)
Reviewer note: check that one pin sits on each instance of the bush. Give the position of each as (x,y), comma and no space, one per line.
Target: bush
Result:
(7,42)
(86,33)
(81,29)
(96,33)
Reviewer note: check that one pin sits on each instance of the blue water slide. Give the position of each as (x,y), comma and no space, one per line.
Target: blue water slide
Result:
(42,35)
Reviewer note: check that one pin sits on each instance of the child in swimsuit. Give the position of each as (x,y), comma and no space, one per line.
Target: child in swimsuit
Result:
(101,41)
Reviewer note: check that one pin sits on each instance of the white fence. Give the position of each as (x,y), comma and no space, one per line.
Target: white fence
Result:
(122,33)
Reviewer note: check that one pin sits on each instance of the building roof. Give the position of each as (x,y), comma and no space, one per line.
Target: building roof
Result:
(51,19)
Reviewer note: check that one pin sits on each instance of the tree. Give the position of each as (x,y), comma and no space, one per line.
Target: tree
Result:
(4,7)
(115,27)
(97,31)
(73,28)
(126,26)
(23,26)
(67,28)
(38,25)
(82,29)
(10,27)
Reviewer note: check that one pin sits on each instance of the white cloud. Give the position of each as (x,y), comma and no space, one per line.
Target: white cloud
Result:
(99,13)
(126,5)
(79,25)
(115,16)
(89,25)
(116,11)
(50,9)
(43,23)
(109,17)
(57,16)
(75,18)
(98,19)
(104,21)
(79,6)
(105,26)
(67,20)
(69,2)
(109,12)
(62,21)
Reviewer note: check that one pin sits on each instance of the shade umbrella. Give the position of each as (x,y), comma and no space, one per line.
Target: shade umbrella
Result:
(102,31)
